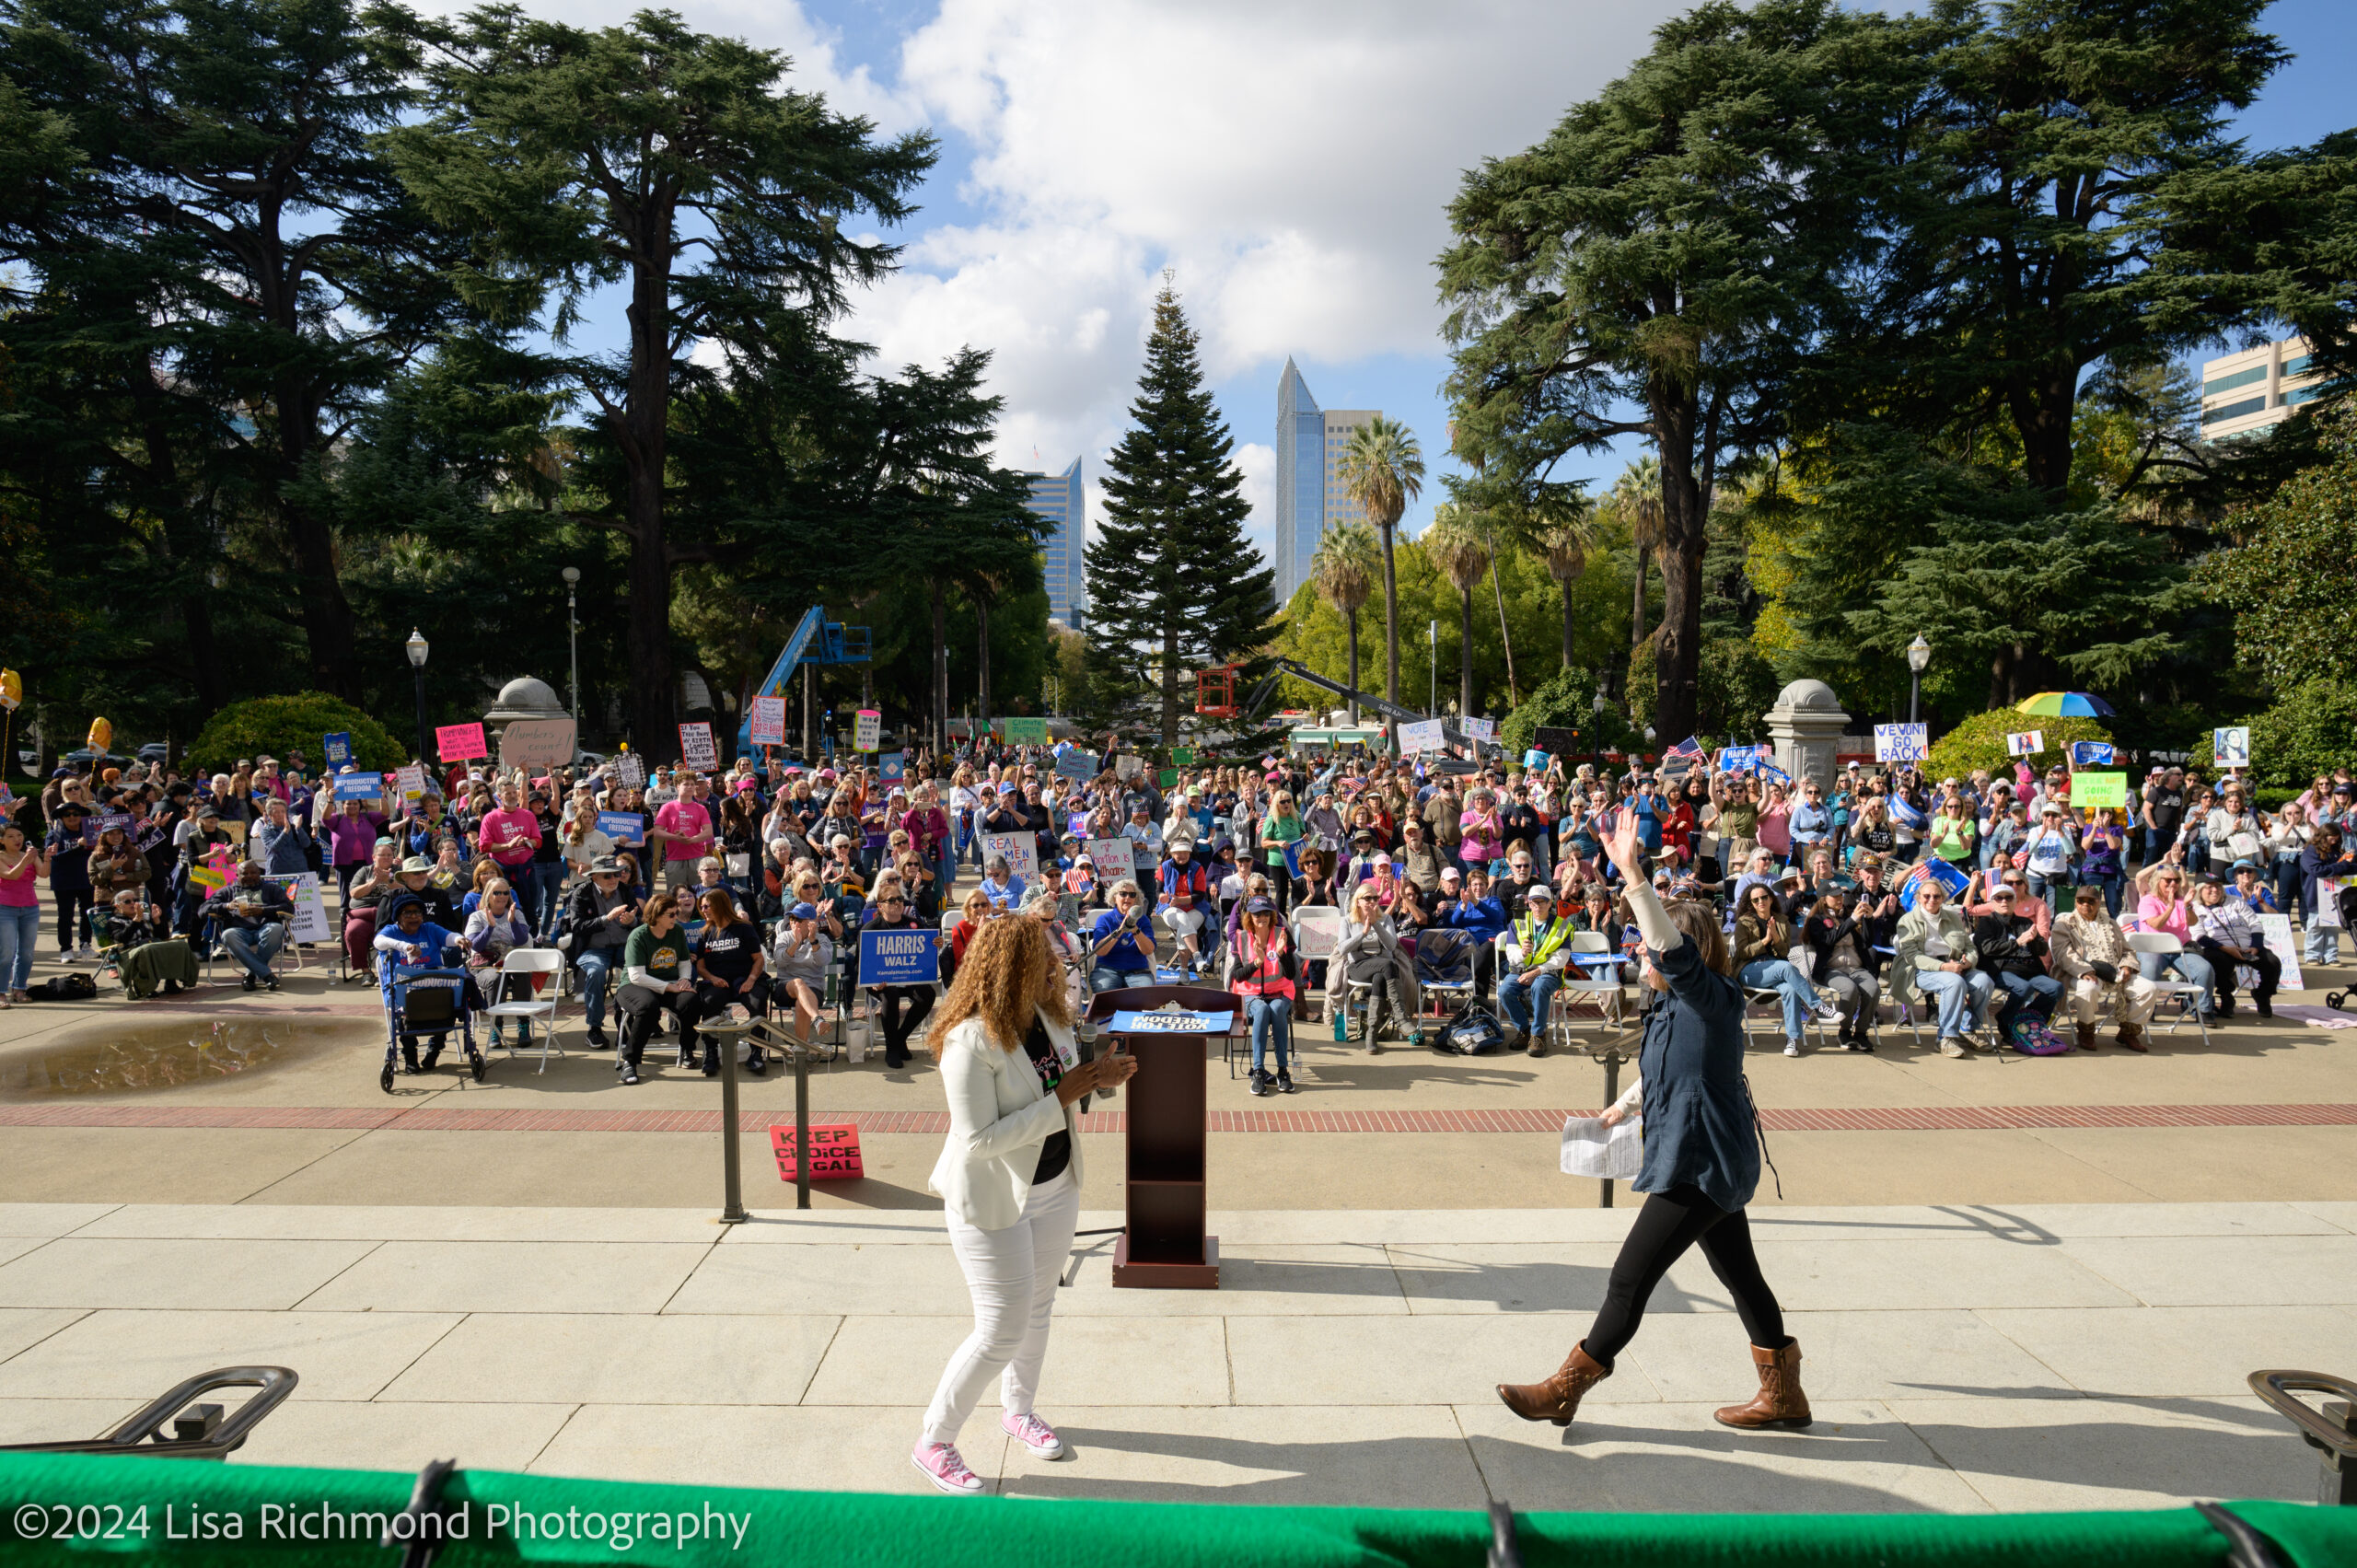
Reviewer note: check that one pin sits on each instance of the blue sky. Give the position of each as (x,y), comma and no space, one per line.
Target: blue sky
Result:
(1287,162)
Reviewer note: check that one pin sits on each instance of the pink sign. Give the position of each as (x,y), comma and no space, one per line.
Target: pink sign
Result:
(834,1151)
(460,742)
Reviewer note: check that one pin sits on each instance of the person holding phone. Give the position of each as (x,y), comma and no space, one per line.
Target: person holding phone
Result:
(1701,1162)
(1120,945)
(1009,1178)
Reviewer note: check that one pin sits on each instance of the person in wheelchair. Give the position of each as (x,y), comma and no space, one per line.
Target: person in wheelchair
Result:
(654,962)
(416,942)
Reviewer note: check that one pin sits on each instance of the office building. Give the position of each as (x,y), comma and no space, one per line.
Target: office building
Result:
(1058,498)
(1310,443)
(2260,387)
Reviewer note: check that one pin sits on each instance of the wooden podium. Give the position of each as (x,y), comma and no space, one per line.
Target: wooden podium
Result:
(1163,1246)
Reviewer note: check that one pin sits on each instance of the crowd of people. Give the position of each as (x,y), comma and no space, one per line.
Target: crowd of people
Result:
(1304,883)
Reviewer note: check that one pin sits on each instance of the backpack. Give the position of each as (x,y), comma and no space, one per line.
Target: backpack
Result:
(1476,1032)
(2031,1037)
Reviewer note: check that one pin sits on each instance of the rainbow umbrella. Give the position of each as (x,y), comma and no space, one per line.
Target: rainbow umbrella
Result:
(2068,704)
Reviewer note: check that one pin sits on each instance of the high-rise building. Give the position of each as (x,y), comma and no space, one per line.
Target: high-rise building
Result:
(2255,388)
(1310,441)
(1058,497)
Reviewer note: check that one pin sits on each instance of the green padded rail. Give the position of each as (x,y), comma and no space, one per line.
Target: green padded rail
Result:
(188,1505)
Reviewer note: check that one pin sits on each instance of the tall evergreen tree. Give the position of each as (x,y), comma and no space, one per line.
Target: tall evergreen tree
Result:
(1172,581)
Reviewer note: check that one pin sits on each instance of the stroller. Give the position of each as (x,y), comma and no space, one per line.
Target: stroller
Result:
(428,1001)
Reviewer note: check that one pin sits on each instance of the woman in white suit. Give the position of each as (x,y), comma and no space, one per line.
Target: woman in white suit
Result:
(1008,1177)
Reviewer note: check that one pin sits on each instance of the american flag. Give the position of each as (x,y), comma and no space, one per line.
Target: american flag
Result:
(1689,747)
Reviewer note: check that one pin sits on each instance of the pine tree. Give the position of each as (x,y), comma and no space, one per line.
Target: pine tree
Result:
(1173,585)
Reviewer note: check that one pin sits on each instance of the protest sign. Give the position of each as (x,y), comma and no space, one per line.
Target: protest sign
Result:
(537,744)
(336,749)
(1020,851)
(1555,741)
(1113,857)
(359,786)
(1077,765)
(697,749)
(1480,729)
(1170,1023)
(1168,778)
(2099,789)
(411,779)
(622,827)
(2231,747)
(1739,758)
(1128,766)
(310,920)
(1934,869)
(866,730)
(1424,735)
(1183,756)
(1026,732)
(1535,760)
(769,721)
(460,742)
(2275,930)
(2028,743)
(834,1151)
(2091,754)
(892,768)
(1901,743)
(631,769)
(899,958)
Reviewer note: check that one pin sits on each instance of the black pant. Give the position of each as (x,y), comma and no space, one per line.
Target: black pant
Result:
(714,1000)
(1668,1224)
(642,1009)
(70,903)
(2269,967)
(1485,968)
(899,1026)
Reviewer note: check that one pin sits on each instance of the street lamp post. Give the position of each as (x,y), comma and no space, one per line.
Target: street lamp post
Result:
(1596,734)
(1918,655)
(416,645)
(571,575)
(1431,640)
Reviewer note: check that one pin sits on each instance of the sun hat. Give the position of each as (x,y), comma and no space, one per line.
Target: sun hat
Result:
(417,865)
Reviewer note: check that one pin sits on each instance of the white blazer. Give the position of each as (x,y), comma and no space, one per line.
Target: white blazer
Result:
(1000,1115)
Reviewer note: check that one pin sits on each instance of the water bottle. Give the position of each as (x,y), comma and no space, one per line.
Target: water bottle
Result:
(1342,1024)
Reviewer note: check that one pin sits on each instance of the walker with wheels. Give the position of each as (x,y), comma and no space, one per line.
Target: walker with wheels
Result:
(427,1001)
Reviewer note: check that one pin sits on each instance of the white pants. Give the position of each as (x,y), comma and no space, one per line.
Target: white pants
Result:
(1182,924)
(1012,1274)
(2133,1003)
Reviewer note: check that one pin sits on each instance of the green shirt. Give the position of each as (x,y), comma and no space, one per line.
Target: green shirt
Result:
(1740,822)
(1285,830)
(660,957)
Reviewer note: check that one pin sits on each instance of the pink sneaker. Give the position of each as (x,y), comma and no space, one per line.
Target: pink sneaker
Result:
(949,1472)
(1033,1434)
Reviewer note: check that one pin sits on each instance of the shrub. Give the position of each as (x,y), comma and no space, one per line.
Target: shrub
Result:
(1566,702)
(2311,729)
(1980,741)
(1734,687)
(277,726)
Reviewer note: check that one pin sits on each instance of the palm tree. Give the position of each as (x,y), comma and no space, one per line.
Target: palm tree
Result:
(1637,497)
(1344,570)
(1563,529)
(1459,549)
(1381,470)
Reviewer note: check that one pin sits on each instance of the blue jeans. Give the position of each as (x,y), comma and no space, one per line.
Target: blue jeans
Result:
(1525,998)
(596,964)
(1271,1025)
(547,882)
(1960,997)
(1106,978)
(254,949)
(2037,993)
(2191,968)
(2111,884)
(2051,890)
(1800,997)
(2324,942)
(18,930)
(2287,887)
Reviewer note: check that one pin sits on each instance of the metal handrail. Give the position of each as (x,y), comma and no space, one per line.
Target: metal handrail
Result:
(2275,1391)
(202,1433)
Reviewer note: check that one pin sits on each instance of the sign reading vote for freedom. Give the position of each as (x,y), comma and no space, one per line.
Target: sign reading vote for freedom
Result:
(899,958)
(1900,743)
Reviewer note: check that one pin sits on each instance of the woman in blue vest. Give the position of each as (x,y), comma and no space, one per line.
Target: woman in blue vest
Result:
(1701,1162)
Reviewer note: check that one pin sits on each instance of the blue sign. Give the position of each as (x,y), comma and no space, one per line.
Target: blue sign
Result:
(359,786)
(338,747)
(911,956)
(1739,758)
(894,767)
(1932,870)
(622,827)
(1171,1023)
(1535,760)
(2091,754)
(1772,772)
(1077,764)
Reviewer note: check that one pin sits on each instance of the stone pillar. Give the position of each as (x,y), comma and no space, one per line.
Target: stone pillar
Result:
(1806,725)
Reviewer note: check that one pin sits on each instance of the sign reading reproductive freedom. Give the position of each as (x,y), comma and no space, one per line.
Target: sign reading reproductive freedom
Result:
(769,721)
(460,742)
(866,730)
(899,958)
(359,786)
(834,1151)
(1020,851)
(1424,735)
(537,743)
(2099,789)
(622,827)
(2028,743)
(1901,743)
(697,749)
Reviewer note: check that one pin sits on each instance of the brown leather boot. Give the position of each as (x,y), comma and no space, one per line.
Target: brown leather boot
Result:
(2086,1036)
(1557,1398)
(2133,1037)
(1780,1405)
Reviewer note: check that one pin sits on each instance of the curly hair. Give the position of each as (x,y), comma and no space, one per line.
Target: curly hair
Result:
(1008,974)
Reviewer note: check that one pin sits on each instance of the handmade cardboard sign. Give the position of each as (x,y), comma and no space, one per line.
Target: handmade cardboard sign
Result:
(1901,743)
(697,749)
(2099,789)
(460,742)
(769,721)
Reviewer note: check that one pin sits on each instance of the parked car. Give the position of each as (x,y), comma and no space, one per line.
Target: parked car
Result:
(155,752)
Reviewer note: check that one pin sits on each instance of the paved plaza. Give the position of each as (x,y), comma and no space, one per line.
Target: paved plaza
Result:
(2018,1283)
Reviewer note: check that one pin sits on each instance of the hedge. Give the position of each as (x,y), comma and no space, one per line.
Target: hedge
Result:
(1980,741)
(275,726)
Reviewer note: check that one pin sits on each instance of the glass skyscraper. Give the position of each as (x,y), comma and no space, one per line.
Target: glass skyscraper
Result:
(1058,498)
(1310,441)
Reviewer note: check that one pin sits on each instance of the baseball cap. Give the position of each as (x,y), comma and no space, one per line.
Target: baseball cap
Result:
(802,911)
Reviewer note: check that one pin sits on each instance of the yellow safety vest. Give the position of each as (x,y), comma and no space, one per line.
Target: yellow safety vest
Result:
(1537,951)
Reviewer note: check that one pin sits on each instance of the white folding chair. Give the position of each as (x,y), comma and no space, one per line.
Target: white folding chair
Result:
(529,961)
(2187,994)
(1589,974)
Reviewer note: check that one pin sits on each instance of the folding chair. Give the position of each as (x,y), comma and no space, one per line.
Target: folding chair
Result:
(526,962)
(1445,967)
(1316,935)
(1756,994)
(1593,970)
(2187,994)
